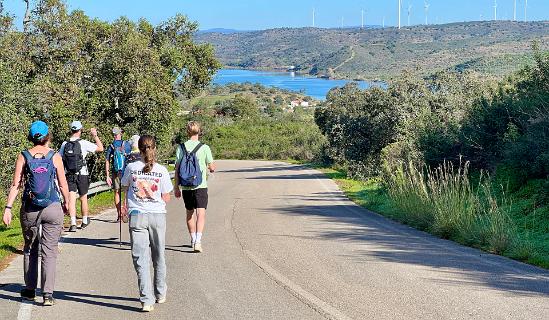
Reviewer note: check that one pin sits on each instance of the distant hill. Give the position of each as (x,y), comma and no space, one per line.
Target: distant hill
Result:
(491,47)
(222,31)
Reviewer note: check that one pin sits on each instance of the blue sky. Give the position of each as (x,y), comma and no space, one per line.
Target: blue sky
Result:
(263,14)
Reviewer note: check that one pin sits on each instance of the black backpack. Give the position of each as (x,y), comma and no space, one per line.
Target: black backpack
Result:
(72,157)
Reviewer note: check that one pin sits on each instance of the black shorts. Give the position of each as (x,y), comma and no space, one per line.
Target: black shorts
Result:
(78,183)
(195,199)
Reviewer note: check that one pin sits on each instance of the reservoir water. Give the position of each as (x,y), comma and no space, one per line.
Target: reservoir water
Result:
(311,86)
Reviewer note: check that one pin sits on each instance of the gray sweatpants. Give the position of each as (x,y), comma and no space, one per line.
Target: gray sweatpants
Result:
(148,240)
(51,220)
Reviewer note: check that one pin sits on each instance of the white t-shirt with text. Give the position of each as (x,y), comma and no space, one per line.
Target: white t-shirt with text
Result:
(145,189)
(87,148)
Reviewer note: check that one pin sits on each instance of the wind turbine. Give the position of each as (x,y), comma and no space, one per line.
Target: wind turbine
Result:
(313,17)
(495,10)
(362,23)
(409,13)
(525,7)
(399,7)
(515,10)
(426,6)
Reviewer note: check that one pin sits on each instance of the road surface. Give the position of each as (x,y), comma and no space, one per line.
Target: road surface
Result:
(282,242)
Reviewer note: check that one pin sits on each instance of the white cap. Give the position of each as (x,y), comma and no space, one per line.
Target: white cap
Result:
(76,125)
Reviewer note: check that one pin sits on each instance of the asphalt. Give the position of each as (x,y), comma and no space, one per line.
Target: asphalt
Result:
(282,242)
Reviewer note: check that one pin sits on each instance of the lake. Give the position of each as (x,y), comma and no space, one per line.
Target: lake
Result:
(311,86)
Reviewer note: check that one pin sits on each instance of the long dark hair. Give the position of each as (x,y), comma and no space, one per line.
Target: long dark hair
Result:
(147,148)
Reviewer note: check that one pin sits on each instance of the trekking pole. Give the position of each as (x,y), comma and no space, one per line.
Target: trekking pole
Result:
(120,235)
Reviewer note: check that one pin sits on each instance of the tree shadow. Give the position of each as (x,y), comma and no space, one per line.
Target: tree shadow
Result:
(397,243)
(270,168)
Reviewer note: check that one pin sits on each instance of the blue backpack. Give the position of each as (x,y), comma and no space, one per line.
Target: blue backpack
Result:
(189,173)
(40,174)
(119,157)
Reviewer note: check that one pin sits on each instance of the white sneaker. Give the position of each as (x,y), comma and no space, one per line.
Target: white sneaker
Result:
(161,300)
(146,308)
(198,247)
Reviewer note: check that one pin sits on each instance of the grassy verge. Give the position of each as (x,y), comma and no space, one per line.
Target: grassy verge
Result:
(11,239)
(527,227)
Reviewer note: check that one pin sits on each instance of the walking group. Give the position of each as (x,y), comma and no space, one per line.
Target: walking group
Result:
(52,182)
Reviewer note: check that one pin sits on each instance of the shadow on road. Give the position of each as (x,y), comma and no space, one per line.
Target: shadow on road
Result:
(86,298)
(457,265)
(108,243)
(272,168)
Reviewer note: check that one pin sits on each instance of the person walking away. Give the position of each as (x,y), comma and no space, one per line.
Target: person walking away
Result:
(193,159)
(40,170)
(147,186)
(134,154)
(115,162)
(74,153)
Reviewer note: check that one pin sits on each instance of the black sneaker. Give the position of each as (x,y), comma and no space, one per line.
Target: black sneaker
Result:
(48,299)
(72,228)
(29,295)
(84,225)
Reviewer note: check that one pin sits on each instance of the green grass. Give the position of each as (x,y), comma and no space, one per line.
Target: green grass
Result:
(11,239)
(524,237)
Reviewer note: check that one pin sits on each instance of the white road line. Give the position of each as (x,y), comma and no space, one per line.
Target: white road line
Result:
(25,307)
(25,311)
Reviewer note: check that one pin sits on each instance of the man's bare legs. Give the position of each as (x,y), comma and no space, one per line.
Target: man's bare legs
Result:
(196,220)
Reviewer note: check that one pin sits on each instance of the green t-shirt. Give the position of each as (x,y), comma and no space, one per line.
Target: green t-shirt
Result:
(204,156)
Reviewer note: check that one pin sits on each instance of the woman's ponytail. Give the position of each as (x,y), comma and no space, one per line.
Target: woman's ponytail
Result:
(147,148)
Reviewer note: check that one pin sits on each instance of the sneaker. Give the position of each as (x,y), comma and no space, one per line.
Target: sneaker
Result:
(72,228)
(198,247)
(146,308)
(27,294)
(84,225)
(161,300)
(48,299)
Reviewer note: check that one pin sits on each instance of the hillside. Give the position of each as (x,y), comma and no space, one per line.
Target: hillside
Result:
(494,48)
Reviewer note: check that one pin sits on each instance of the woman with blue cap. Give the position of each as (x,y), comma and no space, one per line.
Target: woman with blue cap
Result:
(40,170)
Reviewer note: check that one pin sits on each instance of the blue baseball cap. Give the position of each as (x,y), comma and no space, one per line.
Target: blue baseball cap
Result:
(38,130)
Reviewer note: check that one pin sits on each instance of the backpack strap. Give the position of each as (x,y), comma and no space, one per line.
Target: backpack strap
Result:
(195,150)
(27,155)
(49,155)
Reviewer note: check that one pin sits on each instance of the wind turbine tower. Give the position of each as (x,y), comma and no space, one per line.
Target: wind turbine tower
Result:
(515,10)
(399,5)
(409,13)
(313,17)
(495,10)
(525,7)
(426,6)
(362,23)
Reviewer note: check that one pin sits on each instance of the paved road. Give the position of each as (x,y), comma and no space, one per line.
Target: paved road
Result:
(282,242)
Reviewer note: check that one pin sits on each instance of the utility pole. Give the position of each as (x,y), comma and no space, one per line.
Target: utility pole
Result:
(399,5)
(26,19)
